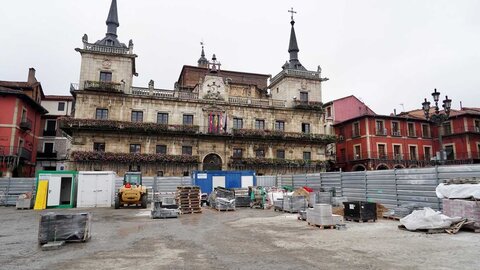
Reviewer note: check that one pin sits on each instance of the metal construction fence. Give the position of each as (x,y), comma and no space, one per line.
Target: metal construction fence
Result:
(388,187)
(11,188)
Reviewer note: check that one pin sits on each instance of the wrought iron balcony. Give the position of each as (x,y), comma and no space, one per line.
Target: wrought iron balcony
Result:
(381,132)
(396,133)
(103,86)
(46,155)
(24,153)
(308,105)
(26,124)
(50,132)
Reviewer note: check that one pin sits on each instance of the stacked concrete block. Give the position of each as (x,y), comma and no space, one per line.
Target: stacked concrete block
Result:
(320,214)
(463,208)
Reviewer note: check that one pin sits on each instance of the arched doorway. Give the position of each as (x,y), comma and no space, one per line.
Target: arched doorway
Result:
(382,167)
(358,168)
(398,166)
(212,162)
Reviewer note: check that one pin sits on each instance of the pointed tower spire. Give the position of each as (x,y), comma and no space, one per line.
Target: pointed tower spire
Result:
(293,50)
(112,19)
(202,61)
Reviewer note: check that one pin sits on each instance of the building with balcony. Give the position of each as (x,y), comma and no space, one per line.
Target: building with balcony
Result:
(20,125)
(406,140)
(53,146)
(213,119)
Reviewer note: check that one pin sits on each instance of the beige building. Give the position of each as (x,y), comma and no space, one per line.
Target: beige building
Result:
(53,145)
(213,119)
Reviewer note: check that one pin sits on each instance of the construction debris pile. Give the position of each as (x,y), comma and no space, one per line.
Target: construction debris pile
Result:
(222,199)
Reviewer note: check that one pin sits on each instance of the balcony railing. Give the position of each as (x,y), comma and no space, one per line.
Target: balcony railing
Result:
(355,134)
(276,162)
(308,105)
(396,133)
(296,73)
(49,132)
(103,86)
(96,156)
(257,102)
(381,132)
(68,123)
(46,155)
(106,49)
(26,124)
(265,133)
(25,153)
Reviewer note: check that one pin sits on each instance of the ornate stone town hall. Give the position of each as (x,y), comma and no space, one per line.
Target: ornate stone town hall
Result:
(213,119)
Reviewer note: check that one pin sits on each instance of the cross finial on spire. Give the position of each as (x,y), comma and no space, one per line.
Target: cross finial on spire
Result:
(292,11)
(202,62)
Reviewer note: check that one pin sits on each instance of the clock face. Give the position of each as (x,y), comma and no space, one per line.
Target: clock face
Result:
(213,88)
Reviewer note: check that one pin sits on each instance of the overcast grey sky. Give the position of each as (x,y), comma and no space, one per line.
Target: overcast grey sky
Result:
(385,52)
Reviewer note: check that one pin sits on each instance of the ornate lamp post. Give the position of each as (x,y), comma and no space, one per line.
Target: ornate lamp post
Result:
(437,117)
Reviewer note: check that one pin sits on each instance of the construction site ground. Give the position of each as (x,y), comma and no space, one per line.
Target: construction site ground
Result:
(241,239)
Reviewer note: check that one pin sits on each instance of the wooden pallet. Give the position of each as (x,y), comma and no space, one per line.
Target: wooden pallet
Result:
(225,210)
(427,231)
(183,212)
(360,220)
(392,217)
(322,226)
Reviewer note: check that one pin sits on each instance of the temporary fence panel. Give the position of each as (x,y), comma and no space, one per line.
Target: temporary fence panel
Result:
(332,180)
(267,180)
(11,188)
(354,186)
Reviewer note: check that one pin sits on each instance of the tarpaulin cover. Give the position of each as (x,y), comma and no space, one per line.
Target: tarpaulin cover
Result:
(427,218)
(64,227)
(460,191)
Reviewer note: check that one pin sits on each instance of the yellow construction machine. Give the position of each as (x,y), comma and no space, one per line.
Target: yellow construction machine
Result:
(132,192)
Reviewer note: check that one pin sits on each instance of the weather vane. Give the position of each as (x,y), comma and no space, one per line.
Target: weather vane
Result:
(292,11)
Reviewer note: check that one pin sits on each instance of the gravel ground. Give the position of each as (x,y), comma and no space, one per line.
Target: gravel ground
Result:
(243,239)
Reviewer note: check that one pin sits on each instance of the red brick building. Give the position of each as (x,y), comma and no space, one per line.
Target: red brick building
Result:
(20,125)
(407,140)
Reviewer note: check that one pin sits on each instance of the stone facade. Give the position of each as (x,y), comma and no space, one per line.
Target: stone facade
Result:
(213,119)
(53,147)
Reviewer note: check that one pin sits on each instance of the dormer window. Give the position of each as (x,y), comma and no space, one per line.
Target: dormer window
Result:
(109,42)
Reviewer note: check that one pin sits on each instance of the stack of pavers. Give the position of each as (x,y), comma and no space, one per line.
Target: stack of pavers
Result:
(188,199)
(57,228)
(294,204)
(159,211)
(242,198)
(459,206)
(222,199)
(321,216)
(165,208)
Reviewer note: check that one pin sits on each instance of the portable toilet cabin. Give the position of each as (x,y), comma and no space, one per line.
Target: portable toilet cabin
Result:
(208,180)
(96,188)
(55,189)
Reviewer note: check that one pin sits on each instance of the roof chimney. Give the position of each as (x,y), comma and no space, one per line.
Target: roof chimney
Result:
(31,76)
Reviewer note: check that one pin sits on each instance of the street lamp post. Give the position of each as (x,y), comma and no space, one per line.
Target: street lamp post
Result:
(438,117)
